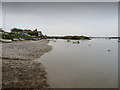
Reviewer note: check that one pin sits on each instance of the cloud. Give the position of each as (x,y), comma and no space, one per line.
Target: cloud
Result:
(64,18)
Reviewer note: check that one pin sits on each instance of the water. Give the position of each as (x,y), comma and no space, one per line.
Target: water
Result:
(71,65)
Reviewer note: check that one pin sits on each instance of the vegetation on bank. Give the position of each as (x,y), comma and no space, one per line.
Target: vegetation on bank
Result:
(17,33)
(30,34)
(11,36)
(28,31)
(69,37)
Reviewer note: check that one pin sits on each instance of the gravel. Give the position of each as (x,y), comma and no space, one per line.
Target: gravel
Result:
(25,49)
(19,68)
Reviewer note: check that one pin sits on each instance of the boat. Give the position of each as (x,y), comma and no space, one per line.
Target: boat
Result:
(15,39)
(118,40)
(76,42)
(21,39)
(68,40)
(6,40)
(36,39)
(82,39)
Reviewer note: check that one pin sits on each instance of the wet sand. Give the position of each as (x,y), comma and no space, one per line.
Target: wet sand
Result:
(19,68)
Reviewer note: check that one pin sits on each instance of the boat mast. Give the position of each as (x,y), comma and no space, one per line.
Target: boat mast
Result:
(4,22)
(1,14)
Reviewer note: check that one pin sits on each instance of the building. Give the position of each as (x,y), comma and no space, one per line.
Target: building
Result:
(30,32)
(1,30)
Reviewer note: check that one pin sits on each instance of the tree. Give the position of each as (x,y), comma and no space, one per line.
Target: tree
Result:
(16,30)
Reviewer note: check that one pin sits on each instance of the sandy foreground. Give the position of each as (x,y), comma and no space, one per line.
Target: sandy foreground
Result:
(19,68)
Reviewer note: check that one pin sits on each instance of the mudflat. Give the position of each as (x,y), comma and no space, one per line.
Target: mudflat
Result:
(19,68)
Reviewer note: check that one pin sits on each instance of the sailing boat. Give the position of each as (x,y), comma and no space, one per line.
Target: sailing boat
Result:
(5,40)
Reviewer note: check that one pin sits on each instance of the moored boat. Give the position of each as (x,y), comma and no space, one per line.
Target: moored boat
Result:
(68,40)
(6,40)
(36,39)
(15,39)
(76,42)
(21,39)
(118,40)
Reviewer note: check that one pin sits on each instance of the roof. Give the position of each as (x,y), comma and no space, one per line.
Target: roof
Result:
(27,31)
(30,31)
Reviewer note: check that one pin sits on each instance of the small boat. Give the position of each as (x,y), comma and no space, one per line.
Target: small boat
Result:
(15,39)
(6,40)
(36,39)
(21,39)
(68,40)
(108,50)
(76,42)
(82,39)
(118,40)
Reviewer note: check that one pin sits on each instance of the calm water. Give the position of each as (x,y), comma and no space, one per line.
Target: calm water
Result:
(71,65)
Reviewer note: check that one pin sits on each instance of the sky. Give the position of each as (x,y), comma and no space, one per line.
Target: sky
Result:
(63,18)
(60,0)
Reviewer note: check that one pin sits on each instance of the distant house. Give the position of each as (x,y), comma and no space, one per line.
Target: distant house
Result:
(1,31)
(29,32)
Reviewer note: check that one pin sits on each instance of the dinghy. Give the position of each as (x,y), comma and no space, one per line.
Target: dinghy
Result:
(6,40)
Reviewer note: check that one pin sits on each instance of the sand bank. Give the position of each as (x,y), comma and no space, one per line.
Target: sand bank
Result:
(19,68)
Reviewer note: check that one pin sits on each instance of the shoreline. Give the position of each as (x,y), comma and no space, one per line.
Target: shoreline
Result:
(19,68)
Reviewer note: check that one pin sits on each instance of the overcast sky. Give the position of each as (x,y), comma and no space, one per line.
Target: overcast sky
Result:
(63,18)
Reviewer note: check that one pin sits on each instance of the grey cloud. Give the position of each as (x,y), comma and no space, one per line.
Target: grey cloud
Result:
(64,17)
